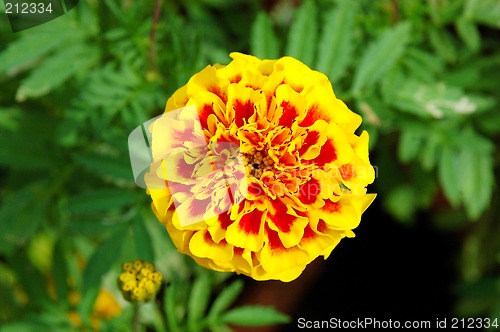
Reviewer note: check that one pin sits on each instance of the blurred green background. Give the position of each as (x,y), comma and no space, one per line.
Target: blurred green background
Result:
(425,76)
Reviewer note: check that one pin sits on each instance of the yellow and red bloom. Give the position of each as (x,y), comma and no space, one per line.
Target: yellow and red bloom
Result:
(297,170)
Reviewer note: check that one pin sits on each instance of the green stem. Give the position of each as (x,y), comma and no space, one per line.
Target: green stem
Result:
(136,325)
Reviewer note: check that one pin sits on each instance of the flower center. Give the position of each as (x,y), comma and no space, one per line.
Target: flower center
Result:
(256,162)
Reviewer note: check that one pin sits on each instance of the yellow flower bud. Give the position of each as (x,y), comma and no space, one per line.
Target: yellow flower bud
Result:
(139,281)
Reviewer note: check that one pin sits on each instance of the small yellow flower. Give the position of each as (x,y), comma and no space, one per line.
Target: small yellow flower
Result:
(302,184)
(139,281)
(105,307)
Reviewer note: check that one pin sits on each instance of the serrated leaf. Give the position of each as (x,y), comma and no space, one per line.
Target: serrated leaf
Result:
(381,56)
(468,31)
(443,44)
(103,258)
(105,165)
(143,241)
(255,316)
(437,100)
(263,41)
(199,297)
(171,305)
(450,174)
(100,200)
(56,70)
(484,11)
(24,52)
(302,38)
(21,214)
(226,298)
(429,153)
(335,46)
(410,142)
(477,180)
(428,60)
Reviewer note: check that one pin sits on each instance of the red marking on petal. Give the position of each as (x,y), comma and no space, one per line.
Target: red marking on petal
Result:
(224,220)
(347,171)
(280,217)
(198,208)
(331,207)
(255,189)
(309,191)
(250,222)
(275,243)
(327,154)
(322,227)
(184,169)
(208,238)
(308,232)
(203,114)
(238,251)
(313,115)
(287,159)
(311,139)
(218,92)
(235,79)
(242,111)
(289,115)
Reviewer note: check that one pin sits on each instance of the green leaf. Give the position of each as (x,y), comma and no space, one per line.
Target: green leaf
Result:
(437,100)
(60,271)
(171,305)
(34,325)
(336,46)
(443,44)
(302,39)
(103,258)
(450,174)
(100,200)
(34,45)
(85,307)
(484,11)
(226,298)
(29,147)
(381,56)
(29,277)
(21,214)
(402,202)
(429,153)
(255,316)
(263,41)
(468,31)
(56,70)
(9,118)
(143,241)
(477,180)
(105,165)
(199,297)
(412,137)
(220,328)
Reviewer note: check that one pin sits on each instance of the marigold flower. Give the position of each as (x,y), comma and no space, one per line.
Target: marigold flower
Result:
(139,281)
(282,176)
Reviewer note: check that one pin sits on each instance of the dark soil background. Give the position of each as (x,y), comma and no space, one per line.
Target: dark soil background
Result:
(388,271)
